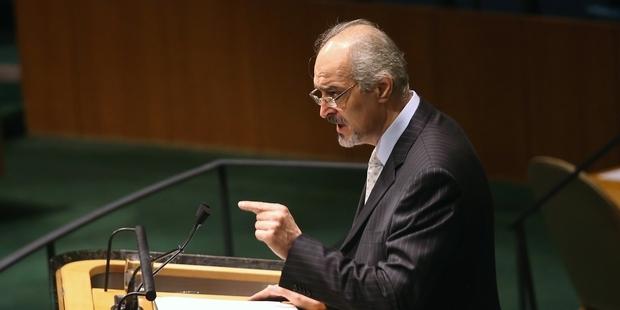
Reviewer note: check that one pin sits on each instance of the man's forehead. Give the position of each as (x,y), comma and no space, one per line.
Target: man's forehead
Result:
(326,77)
(332,64)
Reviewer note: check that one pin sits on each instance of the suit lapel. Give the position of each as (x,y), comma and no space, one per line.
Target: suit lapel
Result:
(388,174)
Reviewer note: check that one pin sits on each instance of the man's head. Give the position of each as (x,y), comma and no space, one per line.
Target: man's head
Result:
(359,61)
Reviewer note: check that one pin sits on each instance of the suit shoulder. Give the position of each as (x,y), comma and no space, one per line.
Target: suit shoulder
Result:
(443,144)
(443,140)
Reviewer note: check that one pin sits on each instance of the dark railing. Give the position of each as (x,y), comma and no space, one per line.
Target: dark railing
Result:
(220,165)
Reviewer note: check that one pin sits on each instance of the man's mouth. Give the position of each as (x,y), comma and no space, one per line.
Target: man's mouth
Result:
(334,119)
(340,123)
(339,127)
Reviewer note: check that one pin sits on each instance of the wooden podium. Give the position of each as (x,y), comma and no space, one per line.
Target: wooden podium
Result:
(79,278)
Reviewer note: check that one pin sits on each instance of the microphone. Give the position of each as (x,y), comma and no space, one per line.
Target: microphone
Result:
(129,301)
(202,213)
(145,266)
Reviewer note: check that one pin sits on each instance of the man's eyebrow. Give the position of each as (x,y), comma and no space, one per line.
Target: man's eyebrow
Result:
(328,88)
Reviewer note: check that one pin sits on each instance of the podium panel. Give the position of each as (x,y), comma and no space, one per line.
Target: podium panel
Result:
(80,284)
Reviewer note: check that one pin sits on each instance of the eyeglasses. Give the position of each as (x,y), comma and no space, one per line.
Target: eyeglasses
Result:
(329,101)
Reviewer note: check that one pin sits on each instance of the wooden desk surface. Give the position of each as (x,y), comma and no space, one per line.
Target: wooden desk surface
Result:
(610,187)
(75,291)
(102,299)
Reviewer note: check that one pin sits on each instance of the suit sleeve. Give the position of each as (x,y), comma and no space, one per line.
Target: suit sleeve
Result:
(421,239)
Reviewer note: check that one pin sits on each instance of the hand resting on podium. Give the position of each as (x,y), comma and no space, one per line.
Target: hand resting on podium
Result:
(277,293)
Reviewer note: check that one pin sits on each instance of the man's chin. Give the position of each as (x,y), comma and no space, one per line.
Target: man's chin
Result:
(347,142)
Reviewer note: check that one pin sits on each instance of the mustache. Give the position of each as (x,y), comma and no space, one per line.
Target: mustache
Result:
(335,119)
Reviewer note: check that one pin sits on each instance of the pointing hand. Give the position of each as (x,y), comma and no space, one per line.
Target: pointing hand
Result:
(275,225)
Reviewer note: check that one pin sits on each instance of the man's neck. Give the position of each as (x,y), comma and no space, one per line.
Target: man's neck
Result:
(393,109)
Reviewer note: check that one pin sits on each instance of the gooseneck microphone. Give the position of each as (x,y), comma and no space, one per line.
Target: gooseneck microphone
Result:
(202,213)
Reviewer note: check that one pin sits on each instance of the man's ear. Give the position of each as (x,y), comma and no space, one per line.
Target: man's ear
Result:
(384,89)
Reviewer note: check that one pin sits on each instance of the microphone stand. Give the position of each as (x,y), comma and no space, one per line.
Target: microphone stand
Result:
(527,299)
(175,252)
(202,213)
(129,301)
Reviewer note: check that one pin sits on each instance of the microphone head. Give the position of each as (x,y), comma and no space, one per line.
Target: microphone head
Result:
(202,213)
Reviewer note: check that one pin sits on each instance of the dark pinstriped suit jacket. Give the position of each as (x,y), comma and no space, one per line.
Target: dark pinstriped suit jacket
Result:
(424,239)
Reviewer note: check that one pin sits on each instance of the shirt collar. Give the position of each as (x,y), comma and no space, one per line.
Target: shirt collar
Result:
(395,130)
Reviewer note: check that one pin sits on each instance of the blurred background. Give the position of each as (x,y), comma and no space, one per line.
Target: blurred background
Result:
(99,99)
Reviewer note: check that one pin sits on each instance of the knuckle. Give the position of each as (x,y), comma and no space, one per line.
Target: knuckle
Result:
(281,216)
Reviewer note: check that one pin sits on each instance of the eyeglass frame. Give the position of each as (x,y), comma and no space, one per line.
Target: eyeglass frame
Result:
(329,100)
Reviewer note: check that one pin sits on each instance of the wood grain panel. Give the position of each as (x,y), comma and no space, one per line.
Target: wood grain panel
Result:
(571,87)
(479,80)
(46,44)
(122,69)
(234,75)
(216,105)
(616,80)
(183,125)
(600,107)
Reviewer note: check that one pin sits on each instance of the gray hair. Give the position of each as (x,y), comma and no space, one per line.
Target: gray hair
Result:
(373,57)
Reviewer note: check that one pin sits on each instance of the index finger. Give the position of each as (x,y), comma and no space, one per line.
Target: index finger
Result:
(257,206)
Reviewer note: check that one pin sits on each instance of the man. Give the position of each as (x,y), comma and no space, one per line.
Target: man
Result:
(422,237)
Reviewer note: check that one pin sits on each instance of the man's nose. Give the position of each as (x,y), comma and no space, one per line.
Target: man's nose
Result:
(325,111)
